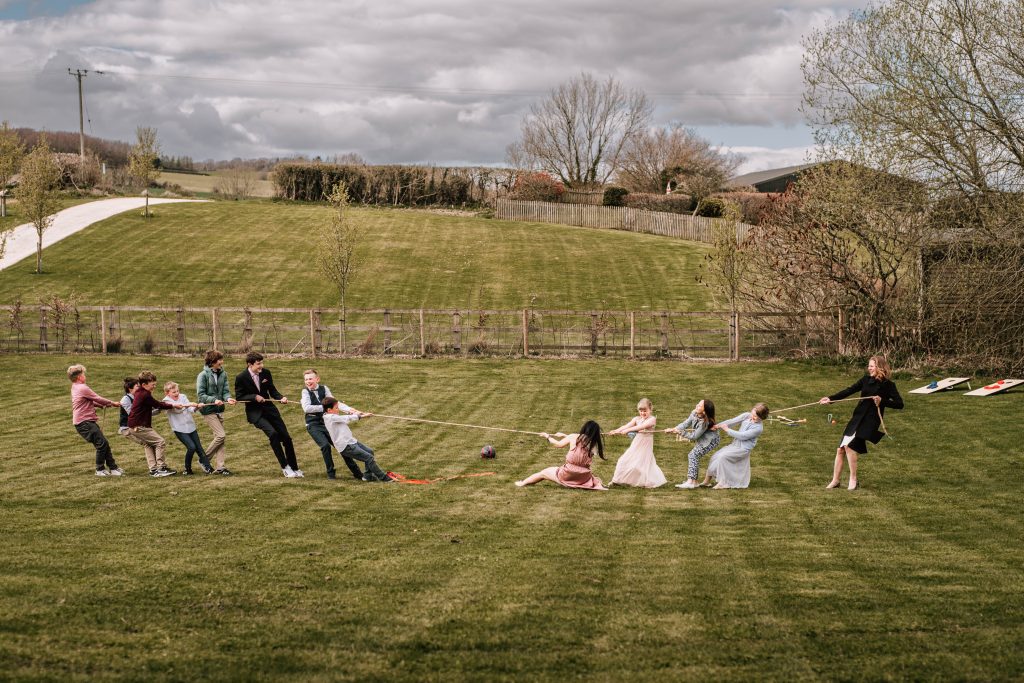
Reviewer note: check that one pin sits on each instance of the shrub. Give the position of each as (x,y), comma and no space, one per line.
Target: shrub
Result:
(114,345)
(378,185)
(712,207)
(615,196)
(537,187)
(753,206)
(666,203)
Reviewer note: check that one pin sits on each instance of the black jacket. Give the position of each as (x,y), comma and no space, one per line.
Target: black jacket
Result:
(866,422)
(245,390)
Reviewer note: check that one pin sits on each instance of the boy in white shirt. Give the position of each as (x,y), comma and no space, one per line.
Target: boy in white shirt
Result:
(185,427)
(347,445)
(313,396)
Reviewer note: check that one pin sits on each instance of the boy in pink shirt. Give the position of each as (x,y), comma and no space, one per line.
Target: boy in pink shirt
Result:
(83,415)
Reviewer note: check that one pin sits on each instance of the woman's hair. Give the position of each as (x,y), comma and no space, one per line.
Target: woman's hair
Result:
(761,410)
(170,385)
(645,403)
(590,433)
(709,412)
(130,383)
(884,371)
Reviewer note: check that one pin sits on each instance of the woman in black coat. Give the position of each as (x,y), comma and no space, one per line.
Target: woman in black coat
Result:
(866,422)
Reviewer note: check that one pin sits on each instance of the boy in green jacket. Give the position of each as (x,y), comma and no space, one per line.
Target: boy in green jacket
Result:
(212,391)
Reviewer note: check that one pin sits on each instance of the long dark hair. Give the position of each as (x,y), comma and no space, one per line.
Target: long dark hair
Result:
(591,435)
(709,412)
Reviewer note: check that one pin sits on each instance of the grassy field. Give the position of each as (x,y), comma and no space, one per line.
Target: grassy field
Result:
(258,254)
(206,184)
(917,576)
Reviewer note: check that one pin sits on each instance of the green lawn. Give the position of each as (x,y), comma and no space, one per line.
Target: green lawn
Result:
(206,184)
(258,254)
(917,576)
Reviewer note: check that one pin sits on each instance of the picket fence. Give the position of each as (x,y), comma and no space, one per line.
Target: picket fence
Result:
(418,332)
(683,226)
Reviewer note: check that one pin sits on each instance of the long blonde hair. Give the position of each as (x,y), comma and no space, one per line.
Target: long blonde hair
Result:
(882,365)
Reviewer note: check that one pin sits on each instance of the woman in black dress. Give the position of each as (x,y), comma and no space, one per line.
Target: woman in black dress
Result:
(866,422)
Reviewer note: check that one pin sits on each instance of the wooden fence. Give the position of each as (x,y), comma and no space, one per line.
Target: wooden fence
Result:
(418,332)
(683,226)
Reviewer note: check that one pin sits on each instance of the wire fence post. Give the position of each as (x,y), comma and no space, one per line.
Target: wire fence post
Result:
(103,330)
(526,333)
(632,334)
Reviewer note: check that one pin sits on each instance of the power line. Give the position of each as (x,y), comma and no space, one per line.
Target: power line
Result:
(411,89)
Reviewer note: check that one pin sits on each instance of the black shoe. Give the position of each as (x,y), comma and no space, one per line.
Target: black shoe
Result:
(330,475)
(224,471)
(207,469)
(187,473)
(358,476)
(368,476)
(388,479)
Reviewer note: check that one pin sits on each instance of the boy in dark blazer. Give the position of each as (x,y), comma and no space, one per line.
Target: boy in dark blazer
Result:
(255,386)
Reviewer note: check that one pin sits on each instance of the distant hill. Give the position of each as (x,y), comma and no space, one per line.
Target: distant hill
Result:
(113,152)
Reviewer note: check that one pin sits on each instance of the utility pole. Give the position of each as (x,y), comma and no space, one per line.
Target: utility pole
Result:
(79,74)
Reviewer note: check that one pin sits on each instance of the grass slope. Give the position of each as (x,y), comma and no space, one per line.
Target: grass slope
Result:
(206,184)
(916,576)
(259,254)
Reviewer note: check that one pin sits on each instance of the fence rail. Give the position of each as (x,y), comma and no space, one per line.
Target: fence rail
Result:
(696,228)
(418,332)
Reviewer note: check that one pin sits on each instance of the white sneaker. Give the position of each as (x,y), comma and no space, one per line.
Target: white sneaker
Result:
(102,473)
(686,485)
(300,474)
(289,473)
(117,472)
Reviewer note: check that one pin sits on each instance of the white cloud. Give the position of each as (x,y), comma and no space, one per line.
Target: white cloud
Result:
(391,80)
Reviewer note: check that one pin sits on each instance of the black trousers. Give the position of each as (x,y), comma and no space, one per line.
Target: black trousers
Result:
(91,432)
(318,430)
(273,426)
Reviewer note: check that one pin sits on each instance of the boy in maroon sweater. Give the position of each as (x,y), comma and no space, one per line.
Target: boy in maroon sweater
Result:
(140,425)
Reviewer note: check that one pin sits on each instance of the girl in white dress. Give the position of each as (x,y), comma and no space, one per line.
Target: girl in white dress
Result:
(637,467)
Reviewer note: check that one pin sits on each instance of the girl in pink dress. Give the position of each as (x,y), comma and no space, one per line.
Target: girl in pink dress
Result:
(637,467)
(575,473)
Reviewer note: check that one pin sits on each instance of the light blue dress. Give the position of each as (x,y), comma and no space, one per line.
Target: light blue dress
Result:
(730,466)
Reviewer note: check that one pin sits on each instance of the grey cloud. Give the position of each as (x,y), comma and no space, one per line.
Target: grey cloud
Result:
(693,58)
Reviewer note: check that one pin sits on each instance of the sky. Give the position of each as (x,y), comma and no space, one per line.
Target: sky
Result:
(446,82)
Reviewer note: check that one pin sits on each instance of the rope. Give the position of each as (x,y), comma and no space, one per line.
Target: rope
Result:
(457,424)
(878,409)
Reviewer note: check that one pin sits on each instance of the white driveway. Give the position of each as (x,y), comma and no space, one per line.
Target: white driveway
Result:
(22,239)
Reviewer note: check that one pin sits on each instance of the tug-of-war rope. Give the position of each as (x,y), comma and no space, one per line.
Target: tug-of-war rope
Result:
(778,416)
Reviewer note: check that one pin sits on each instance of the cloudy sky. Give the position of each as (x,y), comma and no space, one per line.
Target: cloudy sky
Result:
(429,81)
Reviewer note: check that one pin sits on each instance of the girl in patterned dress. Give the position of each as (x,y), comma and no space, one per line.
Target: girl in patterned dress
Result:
(575,472)
(698,429)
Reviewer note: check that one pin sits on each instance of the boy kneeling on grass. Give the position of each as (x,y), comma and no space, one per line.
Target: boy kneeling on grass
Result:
(347,445)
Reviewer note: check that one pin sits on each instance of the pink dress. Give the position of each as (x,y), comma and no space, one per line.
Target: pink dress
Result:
(575,473)
(637,466)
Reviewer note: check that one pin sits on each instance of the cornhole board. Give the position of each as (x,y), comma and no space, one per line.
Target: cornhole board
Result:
(995,387)
(942,385)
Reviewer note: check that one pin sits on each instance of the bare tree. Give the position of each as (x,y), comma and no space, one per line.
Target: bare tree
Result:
(142,158)
(931,90)
(236,183)
(927,89)
(37,192)
(580,131)
(337,245)
(655,158)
